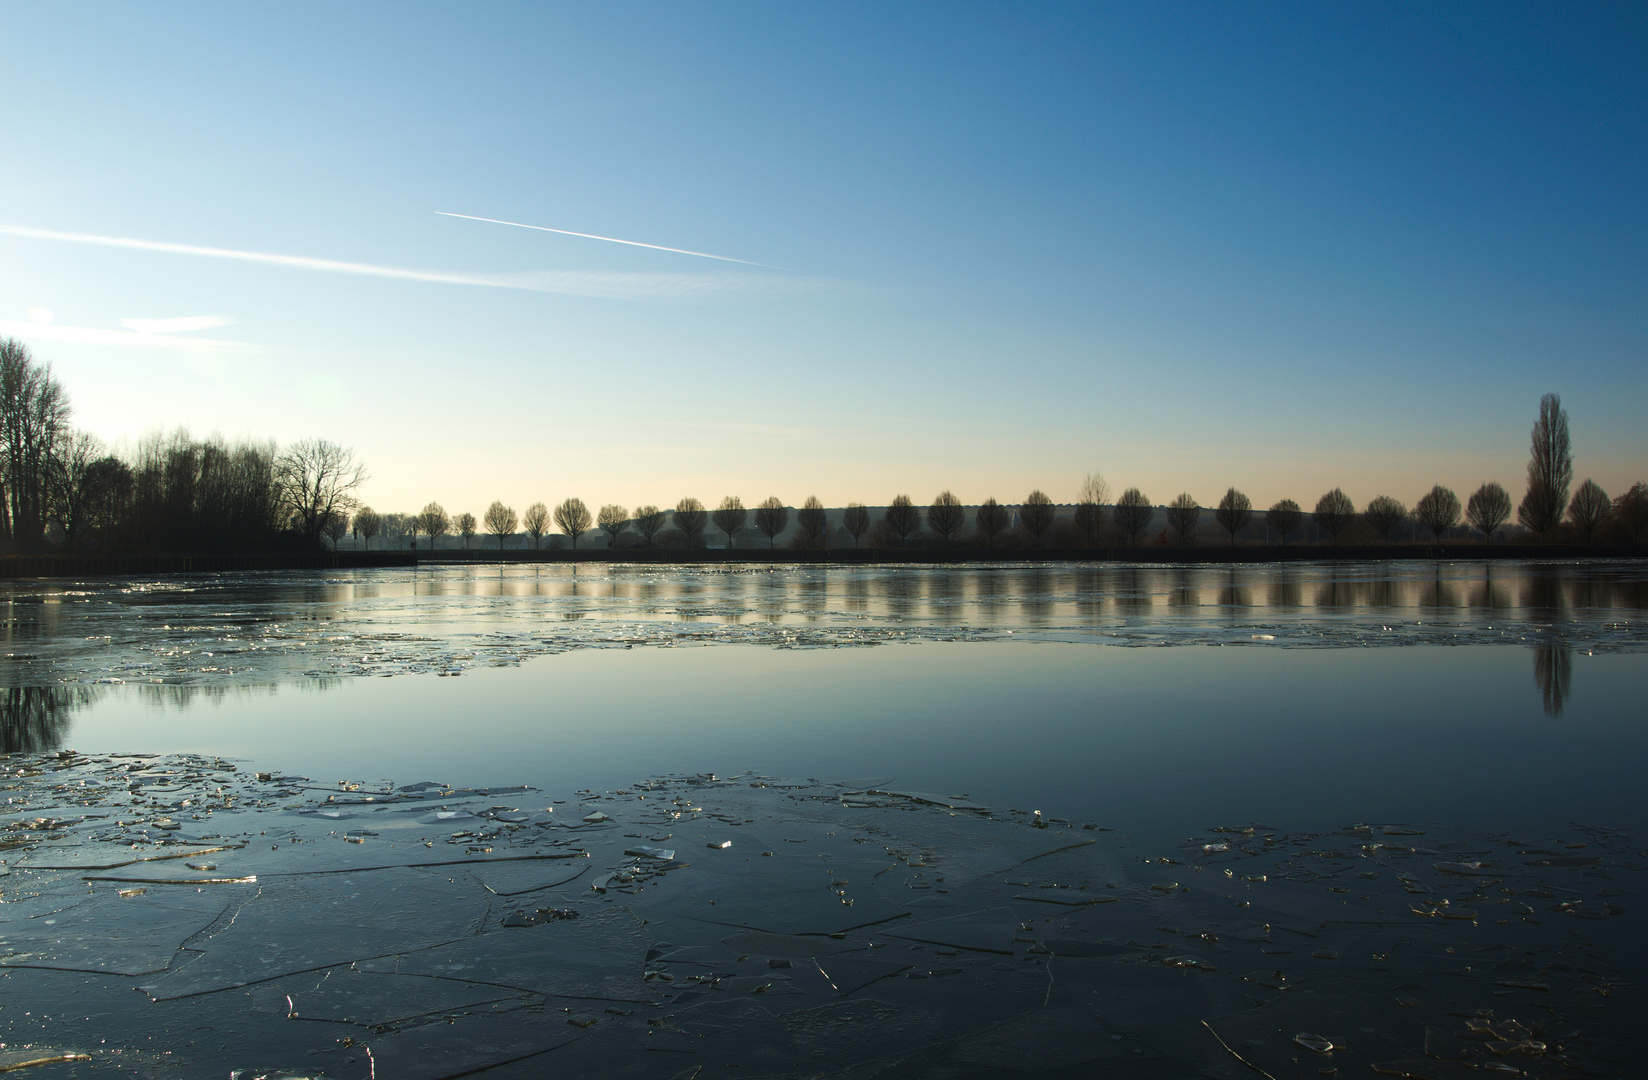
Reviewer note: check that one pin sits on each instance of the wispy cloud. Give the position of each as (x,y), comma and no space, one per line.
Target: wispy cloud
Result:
(608,239)
(86,335)
(597,284)
(176,326)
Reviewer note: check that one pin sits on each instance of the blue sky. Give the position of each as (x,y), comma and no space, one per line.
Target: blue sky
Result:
(1189,246)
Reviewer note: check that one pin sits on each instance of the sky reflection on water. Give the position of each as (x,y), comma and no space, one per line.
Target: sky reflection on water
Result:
(260,628)
(1517,701)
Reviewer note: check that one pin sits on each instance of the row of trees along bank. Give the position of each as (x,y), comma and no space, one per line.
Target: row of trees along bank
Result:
(61,486)
(1546,513)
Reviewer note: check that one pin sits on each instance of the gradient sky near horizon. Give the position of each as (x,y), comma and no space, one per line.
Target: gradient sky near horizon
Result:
(984,247)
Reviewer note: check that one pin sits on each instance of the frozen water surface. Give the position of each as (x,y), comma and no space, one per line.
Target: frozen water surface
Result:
(841,931)
(1277,849)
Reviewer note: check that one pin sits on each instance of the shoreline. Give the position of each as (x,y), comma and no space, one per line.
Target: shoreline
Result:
(23,567)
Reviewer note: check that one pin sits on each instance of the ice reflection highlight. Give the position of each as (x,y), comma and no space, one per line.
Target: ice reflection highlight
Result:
(252,628)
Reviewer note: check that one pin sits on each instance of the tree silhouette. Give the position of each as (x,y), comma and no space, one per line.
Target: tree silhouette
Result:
(990,520)
(691,518)
(946,517)
(648,520)
(1385,513)
(433,523)
(1437,510)
(317,479)
(1550,469)
(1037,514)
(1182,515)
(367,523)
(573,518)
(1489,508)
(1233,513)
(856,520)
(812,523)
(772,517)
(1631,509)
(337,527)
(535,522)
(34,416)
(1284,516)
(1334,513)
(1590,508)
(612,519)
(466,527)
(500,521)
(730,517)
(1133,512)
(1089,514)
(902,520)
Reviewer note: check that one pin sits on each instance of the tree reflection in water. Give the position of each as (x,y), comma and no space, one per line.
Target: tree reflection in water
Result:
(1553,672)
(35,718)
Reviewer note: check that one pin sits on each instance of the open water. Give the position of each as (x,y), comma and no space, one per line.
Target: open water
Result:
(1162,699)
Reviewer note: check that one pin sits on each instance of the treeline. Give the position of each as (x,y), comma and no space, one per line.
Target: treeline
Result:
(1546,513)
(64,487)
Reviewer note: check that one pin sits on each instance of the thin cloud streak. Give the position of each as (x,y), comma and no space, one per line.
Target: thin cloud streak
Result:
(609,285)
(86,335)
(181,325)
(609,239)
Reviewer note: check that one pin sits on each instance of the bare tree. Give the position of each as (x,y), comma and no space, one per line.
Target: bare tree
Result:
(772,517)
(1550,469)
(691,518)
(34,416)
(1437,510)
(1233,513)
(902,519)
(1489,508)
(1631,509)
(337,527)
(856,520)
(1334,513)
(648,520)
(812,524)
(435,523)
(109,487)
(395,527)
(1037,515)
(500,521)
(1182,515)
(1590,508)
(1089,514)
(73,482)
(574,519)
(535,522)
(317,479)
(467,527)
(946,517)
(990,520)
(413,528)
(1284,516)
(367,523)
(730,517)
(612,519)
(1133,512)
(1385,513)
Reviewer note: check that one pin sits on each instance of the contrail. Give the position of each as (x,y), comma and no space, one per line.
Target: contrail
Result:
(590,283)
(610,240)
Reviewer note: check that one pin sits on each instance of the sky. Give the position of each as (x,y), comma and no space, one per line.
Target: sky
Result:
(984,248)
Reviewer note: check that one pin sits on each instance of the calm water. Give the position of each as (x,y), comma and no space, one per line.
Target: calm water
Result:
(1160,700)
